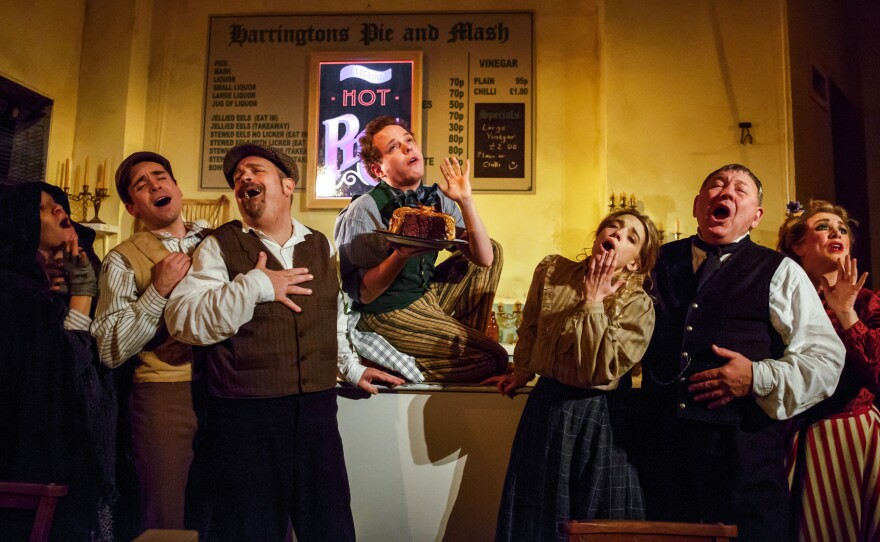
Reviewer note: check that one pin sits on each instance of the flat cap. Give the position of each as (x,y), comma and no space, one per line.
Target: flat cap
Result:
(123,172)
(237,153)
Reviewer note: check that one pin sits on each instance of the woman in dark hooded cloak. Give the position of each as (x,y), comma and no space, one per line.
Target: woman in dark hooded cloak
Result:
(57,403)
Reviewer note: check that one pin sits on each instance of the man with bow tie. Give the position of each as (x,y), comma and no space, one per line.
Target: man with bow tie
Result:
(428,319)
(741,342)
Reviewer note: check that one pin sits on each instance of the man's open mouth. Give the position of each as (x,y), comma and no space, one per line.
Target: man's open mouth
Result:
(251,192)
(721,212)
(162,202)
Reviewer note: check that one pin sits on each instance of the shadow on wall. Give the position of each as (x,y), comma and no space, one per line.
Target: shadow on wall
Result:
(474,431)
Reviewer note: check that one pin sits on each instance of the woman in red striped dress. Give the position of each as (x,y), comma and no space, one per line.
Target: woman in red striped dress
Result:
(835,474)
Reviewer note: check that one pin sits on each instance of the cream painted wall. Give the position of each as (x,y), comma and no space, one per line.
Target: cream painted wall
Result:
(678,80)
(113,90)
(40,47)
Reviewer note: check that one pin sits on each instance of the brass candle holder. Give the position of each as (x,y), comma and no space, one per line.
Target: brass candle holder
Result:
(676,234)
(623,203)
(85,197)
(100,194)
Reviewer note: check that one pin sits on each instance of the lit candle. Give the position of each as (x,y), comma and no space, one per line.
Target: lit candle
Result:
(632,199)
(612,199)
(58,170)
(622,199)
(66,173)
(104,175)
(75,183)
(677,226)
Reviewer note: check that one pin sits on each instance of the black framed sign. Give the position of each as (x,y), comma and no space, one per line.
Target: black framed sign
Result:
(346,91)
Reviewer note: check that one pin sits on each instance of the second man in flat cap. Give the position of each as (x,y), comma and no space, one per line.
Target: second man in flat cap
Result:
(263,299)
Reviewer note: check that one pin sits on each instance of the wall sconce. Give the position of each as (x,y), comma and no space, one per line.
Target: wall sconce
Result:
(744,135)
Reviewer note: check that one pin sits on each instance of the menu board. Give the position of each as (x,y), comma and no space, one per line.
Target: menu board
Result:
(499,140)
(477,87)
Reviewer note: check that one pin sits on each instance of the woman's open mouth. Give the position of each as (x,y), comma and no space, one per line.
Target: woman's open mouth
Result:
(65,223)
(608,246)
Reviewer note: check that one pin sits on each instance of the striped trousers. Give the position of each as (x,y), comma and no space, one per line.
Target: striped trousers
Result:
(443,329)
(835,478)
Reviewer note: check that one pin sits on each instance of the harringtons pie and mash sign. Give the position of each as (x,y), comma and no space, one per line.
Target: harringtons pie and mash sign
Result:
(467,78)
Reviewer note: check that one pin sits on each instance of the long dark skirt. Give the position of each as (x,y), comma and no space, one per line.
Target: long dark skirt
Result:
(565,465)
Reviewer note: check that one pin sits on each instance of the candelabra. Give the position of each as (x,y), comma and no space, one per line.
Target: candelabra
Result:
(85,197)
(622,204)
(676,233)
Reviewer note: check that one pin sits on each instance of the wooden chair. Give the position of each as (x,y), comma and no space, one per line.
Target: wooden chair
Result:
(214,212)
(168,535)
(40,497)
(647,531)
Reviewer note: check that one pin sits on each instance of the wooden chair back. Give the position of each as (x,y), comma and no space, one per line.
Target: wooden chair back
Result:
(40,497)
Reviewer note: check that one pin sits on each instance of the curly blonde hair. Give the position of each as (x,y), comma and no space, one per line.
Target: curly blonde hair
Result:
(794,229)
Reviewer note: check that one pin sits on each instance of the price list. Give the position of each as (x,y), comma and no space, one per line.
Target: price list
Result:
(456,117)
(488,120)
(238,117)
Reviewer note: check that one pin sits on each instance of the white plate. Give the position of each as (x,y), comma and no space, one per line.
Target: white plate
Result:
(437,244)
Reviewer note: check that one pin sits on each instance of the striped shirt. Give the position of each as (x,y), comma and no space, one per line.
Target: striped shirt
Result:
(76,321)
(124,323)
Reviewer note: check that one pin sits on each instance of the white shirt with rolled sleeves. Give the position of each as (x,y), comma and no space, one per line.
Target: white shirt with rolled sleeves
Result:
(207,307)
(810,367)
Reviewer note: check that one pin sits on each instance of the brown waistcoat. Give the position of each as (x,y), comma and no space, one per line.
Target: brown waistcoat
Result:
(279,352)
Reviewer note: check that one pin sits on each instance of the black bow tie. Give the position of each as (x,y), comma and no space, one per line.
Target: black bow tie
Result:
(717,250)
(423,195)
(713,258)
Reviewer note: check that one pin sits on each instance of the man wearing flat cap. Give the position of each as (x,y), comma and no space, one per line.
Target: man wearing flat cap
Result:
(136,279)
(263,301)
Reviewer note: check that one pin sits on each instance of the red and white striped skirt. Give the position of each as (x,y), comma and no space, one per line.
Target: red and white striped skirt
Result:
(835,478)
